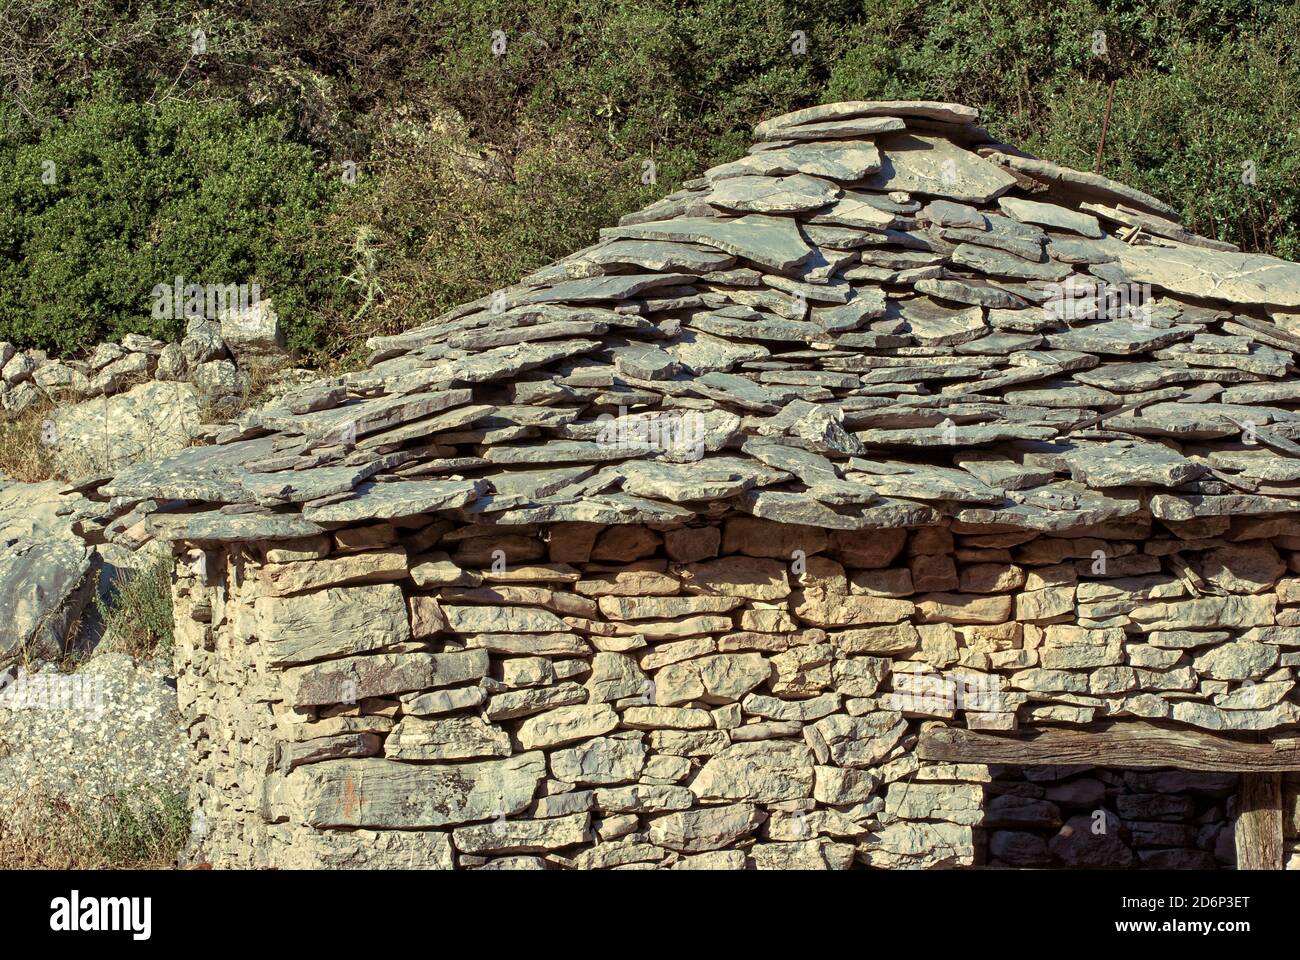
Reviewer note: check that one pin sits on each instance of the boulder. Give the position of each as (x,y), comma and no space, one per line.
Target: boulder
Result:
(44,586)
(253,332)
(707,828)
(105,434)
(1092,842)
(764,771)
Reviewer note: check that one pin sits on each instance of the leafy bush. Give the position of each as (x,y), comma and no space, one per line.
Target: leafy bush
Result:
(139,829)
(500,163)
(476,167)
(122,195)
(1200,89)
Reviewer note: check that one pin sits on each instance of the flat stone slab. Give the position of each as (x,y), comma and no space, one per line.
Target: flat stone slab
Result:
(972,292)
(1051,215)
(592,289)
(1245,278)
(922,482)
(793,194)
(713,478)
(387,793)
(663,256)
(1122,463)
(332,622)
(855,209)
(1000,264)
(1086,184)
(41,594)
(835,129)
(385,501)
(848,160)
(212,473)
(925,109)
(932,165)
(932,325)
(214,526)
(105,434)
(770,242)
(1116,338)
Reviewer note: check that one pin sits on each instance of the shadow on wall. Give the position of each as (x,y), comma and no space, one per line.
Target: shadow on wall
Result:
(1089,817)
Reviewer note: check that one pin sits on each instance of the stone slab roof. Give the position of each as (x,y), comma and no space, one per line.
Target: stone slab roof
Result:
(876,318)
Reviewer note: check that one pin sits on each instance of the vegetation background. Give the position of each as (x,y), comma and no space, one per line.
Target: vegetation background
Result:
(218,141)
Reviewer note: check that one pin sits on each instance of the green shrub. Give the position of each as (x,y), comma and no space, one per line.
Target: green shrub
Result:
(476,168)
(133,829)
(140,194)
(1200,89)
(137,616)
(559,128)
(138,829)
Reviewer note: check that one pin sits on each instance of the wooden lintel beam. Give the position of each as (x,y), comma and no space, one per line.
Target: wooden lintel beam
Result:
(1258,830)
(1137,745)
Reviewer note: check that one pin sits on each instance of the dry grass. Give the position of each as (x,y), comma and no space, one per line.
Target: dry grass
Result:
(137,617)
(24,455)
(123,832)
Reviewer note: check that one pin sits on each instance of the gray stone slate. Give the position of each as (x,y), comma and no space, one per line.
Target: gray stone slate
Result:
(712,478)
(974,293)
(927,109)
(847,160)
(771,242)
(1001,264)
(1088,185)
(1123,463)
(385,501)
(215,526)
(1051,215)
(839,129)
(935,166)
(1245,278)
(798,193)
(42,592)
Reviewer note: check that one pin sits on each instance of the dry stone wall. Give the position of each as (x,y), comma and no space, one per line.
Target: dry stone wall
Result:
(736,694)
(213,356)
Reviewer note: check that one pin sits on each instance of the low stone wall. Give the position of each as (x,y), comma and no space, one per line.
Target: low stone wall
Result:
(738,694)
(213,356)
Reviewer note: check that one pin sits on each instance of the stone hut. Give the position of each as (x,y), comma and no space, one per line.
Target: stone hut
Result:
(886,498)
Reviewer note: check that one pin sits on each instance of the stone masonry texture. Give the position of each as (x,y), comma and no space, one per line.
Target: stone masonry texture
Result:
(752,702)
(665,555)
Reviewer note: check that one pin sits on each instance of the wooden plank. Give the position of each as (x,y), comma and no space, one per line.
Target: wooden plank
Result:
(1258,829)
(1139,745)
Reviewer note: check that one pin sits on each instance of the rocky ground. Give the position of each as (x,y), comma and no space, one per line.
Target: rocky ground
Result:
(120,405)
(77,722)
(109,728)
